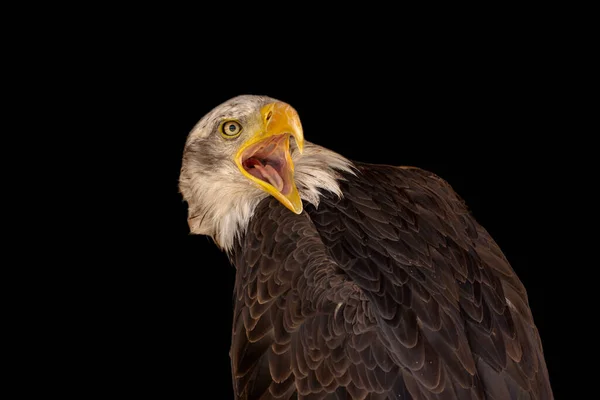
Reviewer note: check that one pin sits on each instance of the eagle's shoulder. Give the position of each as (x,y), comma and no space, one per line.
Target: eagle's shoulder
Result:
(400,175)
(406,185)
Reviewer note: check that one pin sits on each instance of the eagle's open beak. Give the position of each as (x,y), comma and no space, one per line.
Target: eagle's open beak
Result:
(265,157)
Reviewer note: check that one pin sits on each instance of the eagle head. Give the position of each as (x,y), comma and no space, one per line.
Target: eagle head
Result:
(242,151)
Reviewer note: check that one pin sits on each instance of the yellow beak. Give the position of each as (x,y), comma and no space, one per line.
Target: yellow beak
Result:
(265,157)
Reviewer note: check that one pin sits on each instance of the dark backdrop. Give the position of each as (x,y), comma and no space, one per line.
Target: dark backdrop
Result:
(162,302)
(126,303)
(483,130)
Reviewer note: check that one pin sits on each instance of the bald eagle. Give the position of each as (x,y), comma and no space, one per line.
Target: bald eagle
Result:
(353,280)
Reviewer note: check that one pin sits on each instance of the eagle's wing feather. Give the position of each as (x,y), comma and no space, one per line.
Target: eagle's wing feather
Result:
(299,324)
(392,291)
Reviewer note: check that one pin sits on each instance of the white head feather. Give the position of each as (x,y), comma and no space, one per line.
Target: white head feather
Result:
(221,201)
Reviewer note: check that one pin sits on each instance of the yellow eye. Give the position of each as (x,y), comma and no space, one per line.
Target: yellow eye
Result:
(231,128)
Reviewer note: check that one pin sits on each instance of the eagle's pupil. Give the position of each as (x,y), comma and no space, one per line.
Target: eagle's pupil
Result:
(232,128)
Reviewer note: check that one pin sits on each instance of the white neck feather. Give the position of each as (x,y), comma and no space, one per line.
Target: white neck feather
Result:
(221,206)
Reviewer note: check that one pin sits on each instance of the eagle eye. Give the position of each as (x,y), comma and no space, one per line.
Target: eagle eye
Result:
(231,129)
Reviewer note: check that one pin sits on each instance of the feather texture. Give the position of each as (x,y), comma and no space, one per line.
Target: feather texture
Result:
(391,290)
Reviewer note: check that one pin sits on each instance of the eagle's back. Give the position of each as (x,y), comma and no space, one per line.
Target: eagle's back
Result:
(392,291)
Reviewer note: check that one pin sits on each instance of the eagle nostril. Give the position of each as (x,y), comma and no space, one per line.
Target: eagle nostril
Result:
(269,115)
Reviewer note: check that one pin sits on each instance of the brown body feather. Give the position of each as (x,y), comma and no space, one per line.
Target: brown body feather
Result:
(392,292)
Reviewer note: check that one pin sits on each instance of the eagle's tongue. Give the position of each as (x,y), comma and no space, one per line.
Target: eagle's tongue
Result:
(269,174)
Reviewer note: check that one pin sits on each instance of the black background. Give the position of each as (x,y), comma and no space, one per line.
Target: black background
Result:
(155,303)
(481,129)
